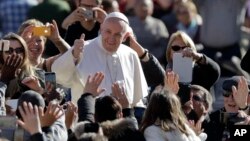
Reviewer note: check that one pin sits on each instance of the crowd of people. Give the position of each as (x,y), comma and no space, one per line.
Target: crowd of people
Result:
(121,69)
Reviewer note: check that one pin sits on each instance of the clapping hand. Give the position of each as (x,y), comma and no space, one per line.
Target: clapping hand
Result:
(53,112)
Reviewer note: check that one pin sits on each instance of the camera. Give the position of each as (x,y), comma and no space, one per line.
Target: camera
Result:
(4,45)
(89,14)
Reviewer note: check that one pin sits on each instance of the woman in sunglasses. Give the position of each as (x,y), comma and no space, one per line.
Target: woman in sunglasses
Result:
(18,55)
(205,70)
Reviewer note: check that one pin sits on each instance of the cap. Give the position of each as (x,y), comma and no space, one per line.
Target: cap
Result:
(233,81)
(118,15)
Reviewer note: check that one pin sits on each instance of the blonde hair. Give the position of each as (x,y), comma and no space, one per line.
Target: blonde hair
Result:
(27,23)
(184,37)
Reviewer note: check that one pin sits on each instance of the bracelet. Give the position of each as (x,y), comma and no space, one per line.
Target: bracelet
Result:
(144,54)
(243,109)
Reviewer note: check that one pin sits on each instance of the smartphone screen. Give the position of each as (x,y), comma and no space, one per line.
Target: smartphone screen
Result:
(50,80)
(41,31)
(183,66)
(4,45)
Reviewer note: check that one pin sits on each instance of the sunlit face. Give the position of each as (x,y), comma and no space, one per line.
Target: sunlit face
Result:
(198,101)
(15,48)
(230,104)
(36,47)
(113,33)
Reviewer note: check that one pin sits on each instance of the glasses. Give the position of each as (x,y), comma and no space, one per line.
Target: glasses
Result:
(197,98)
(178,48)
(18,50)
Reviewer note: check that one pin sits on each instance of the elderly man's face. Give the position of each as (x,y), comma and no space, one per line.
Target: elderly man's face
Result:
(113,33)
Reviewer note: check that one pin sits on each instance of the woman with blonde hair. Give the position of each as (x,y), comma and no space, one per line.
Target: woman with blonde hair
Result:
(19,53)
(205,71)
(165,121)
(36,44)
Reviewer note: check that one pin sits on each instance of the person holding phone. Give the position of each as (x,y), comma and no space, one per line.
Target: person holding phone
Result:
(86,18)
(35,33)
(106,54)
(18,54)
(205,71)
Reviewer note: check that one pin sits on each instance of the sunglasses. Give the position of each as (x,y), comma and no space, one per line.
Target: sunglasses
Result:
(197,98)
(18,50)
(178,48)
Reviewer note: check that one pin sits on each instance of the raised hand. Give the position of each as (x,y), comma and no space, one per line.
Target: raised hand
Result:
(55,35)
(118,91)
(11,64)
(93,83)
(33,83)
(188,52)
(78,47)
(30,117)
(100,14)
(171,82)
(53,112)
(240,93)
(70,114)
(76,15)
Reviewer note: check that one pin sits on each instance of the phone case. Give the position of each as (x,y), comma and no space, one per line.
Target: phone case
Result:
(4,45)
(50,77)
(41,31)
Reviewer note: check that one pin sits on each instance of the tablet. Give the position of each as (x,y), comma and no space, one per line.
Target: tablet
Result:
(183,66)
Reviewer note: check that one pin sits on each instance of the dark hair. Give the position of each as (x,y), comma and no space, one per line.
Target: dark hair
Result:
(107,108)
(123,129)
(30,96)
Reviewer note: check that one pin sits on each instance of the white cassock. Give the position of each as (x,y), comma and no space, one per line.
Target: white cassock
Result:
(124,65)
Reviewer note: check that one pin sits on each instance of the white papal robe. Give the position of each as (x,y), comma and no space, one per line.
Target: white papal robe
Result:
(96,59)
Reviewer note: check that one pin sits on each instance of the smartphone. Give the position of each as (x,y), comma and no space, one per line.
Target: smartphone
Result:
(8,122)
(50,78)
(4,45)
(89,14)
(41,31)
(183,66)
